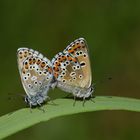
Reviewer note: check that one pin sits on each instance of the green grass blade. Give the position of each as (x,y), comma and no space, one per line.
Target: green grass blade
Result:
(23,118)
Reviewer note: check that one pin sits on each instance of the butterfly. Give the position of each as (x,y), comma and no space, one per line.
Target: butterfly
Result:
(72,69)
(36,75)
(69,70)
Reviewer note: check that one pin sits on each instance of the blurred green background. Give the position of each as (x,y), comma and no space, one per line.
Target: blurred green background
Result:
(112,30)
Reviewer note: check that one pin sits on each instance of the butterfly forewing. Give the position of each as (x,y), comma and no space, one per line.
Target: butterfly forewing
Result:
(79,49)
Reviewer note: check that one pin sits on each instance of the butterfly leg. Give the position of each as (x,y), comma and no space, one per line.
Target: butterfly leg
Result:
(91,98)
(30,107)
(49,99)
(74,101)
(53,85)
(84,100)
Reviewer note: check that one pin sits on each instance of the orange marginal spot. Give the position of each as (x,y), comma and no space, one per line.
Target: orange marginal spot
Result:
(71,51)
(26,66)
(60,59)
(38,61)
(56,75)
(74,59)
(57,63)
(34,60)
(69,58)
(55,68)
(76,47)
(49,69)
(23,71)
(30,61)
(43,64)
(64,57)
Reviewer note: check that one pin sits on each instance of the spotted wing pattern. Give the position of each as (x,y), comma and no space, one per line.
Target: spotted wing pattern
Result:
(36,75)
(72,69)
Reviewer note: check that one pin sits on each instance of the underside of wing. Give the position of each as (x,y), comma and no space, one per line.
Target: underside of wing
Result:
(72,67)
(35,71)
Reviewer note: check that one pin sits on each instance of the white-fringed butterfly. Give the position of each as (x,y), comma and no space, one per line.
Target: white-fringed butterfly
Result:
(69,70)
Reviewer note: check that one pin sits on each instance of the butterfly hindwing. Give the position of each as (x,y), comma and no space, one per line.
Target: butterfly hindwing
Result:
(66,69)
(36,75)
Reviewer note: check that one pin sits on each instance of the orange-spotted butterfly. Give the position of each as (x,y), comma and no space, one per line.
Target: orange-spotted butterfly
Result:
(69,70)
(72,69)
(36,75)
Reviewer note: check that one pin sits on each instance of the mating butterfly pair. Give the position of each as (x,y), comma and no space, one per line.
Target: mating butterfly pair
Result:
(69,70)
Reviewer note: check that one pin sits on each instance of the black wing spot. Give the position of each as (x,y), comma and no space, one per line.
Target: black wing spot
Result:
(82,64)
